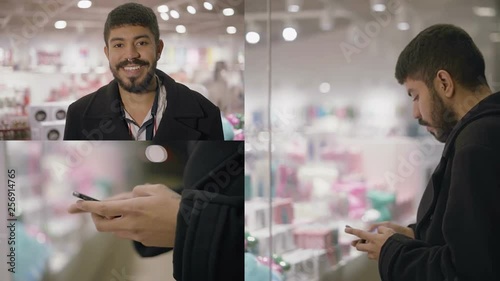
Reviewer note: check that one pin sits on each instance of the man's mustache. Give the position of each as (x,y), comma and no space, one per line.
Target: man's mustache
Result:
(132,62)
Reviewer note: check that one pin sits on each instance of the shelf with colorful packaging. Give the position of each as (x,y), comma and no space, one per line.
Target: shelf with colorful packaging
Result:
(319,182)
(46,175)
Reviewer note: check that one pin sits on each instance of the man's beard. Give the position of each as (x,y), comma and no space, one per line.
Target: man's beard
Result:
(444,119)
(135,86)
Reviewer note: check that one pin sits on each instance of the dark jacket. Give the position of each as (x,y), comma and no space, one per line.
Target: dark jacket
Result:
(210,223)
(189,115)
(458,220)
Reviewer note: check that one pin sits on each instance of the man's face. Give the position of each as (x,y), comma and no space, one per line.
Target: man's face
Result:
(430,110)
(132,54)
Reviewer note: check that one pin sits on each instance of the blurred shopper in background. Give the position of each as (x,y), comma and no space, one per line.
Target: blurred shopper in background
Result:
(455,234)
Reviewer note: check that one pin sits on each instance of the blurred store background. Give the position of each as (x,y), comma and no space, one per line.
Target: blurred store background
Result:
(51,54)
(53,245)
(330,139)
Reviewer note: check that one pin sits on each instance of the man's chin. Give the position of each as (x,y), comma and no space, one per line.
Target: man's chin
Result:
(440,136)
(133,85)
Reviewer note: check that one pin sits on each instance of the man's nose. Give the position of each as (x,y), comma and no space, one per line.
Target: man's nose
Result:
(131,52)
(416,111)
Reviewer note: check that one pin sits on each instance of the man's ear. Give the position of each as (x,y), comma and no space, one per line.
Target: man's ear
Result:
(106,51)
(445,84)
(159,49)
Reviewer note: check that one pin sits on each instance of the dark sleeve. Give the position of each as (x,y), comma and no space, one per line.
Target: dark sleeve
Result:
(470,228)
(146,252)
(216,133)
(209,242)
(73,124)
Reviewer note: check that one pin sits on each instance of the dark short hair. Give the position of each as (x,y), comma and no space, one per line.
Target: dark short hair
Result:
(442,47)
(132,14)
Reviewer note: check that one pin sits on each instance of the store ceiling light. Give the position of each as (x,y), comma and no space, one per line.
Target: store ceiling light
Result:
(324,88)
(228,12)
(403,26)
(84,4)
(191,10)
(180,29)
(293,6)
(378,5)
(252,37)
(174,14)
(208,5)
(231,30)
(164,16)
(60,24)
(156,153)
(484,11)
(162,9)
(289,34)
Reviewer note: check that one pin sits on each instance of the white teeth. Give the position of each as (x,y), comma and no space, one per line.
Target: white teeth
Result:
(132,67)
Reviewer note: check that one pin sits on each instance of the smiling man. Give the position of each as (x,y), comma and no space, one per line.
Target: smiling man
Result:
(455,236)
(142,102)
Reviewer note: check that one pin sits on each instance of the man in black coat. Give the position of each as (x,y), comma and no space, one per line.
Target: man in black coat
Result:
(141,103)
(455,236)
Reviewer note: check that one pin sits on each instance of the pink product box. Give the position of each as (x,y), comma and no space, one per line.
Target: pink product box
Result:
(350,159)
(356,196)
(316,238)
(287,184)
(283,211)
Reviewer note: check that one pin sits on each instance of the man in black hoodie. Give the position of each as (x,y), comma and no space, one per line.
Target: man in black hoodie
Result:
(455,236)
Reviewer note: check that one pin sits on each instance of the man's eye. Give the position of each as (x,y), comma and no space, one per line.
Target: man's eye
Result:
(119,45)
(142,43)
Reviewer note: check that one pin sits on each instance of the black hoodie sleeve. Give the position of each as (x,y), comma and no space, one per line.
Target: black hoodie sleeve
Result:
(470,228)
(209,235)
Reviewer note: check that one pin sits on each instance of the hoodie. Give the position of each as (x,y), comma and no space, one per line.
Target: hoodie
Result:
(458,219)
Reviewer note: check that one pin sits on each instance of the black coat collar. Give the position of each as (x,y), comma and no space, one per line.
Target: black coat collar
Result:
(488,106)
(179,119)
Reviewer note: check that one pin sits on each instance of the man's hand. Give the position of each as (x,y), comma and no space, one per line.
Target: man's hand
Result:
(373,241)
(149,217)
(407,231)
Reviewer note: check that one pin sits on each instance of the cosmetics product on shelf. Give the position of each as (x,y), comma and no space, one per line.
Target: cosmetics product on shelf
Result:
(282,239)
(248,187)
(306,264)
(257,214)
(311,211)
(256,271)
(283,210)
(316,236)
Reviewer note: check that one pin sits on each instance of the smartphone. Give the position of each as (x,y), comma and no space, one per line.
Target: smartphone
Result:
(83,196)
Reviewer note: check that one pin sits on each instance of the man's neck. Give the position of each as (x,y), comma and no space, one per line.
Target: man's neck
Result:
(470,99)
